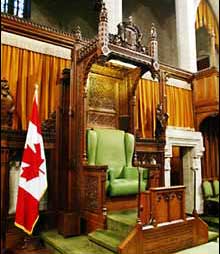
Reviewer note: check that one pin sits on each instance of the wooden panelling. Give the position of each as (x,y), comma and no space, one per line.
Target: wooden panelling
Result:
(163,204)
(206,94)
(169,238)
(132,244)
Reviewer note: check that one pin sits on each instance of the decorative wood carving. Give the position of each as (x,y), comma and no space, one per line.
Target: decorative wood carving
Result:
(129,36)
(7,105)
(161,121)
(48,126)
(103,38)
(99,119)
(91,193)
(33,30)
(102,93)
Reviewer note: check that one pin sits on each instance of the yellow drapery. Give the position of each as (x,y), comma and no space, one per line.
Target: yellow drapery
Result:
(23,69)
(179,107)
(205,18)
(147,100)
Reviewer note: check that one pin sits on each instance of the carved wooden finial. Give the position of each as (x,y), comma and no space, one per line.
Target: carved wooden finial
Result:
(153,32)
(7,105)
(78,33)
(103,14)
(161,121)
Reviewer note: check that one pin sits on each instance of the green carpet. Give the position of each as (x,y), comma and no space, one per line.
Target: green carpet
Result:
(71,245)
(208,248)
(106,238)
(119,224)
(122,221)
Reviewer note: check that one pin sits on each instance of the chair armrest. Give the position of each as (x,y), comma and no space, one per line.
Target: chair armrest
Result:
(95,168)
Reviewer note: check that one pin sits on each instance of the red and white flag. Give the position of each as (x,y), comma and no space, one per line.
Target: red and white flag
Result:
(33,176)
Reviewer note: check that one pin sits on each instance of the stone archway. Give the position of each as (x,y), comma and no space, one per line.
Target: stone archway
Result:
(193,143)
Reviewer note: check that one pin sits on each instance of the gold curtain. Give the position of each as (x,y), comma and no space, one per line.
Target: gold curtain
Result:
(179,107)
(23,69)
(205,18)
(147,100)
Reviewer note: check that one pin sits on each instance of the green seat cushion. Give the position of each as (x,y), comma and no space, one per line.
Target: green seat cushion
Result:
(122,187)
(207,189)
(216,187)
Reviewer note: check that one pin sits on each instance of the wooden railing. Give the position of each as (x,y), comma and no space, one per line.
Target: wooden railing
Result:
(163,204)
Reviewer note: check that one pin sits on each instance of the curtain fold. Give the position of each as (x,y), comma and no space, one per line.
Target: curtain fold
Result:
(24,69)
(179,107)
(147,100)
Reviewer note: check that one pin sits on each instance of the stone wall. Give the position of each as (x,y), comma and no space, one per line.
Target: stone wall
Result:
(162,14)
(66,15)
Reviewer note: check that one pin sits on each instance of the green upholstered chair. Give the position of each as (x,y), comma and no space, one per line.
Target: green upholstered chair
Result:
(211,199)
(115,149)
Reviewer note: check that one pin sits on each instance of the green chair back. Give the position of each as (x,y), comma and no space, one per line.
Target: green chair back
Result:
(216,187)
(207,189)
(110,147)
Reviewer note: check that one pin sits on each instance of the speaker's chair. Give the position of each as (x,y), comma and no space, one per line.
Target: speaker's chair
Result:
(115,149)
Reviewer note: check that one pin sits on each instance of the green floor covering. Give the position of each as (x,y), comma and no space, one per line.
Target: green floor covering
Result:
(71,245)
(208,248)
(119,224)
(107,241)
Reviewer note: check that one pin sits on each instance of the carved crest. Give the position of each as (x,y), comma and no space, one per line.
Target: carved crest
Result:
(129,36)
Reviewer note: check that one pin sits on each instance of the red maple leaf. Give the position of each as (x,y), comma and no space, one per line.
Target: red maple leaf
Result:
(34,160)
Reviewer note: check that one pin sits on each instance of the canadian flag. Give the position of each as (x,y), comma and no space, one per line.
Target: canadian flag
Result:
(33,176)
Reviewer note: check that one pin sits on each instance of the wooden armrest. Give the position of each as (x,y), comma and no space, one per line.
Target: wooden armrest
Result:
(95,168)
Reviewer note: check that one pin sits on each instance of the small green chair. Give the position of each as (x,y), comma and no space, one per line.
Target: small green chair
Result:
(211,200)
(115,149)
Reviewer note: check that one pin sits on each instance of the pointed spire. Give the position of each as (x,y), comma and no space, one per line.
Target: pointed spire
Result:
(78,33)
(153,47)
(103,36)
(103,17)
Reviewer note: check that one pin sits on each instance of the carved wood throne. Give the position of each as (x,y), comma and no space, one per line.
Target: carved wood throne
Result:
(102,94)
